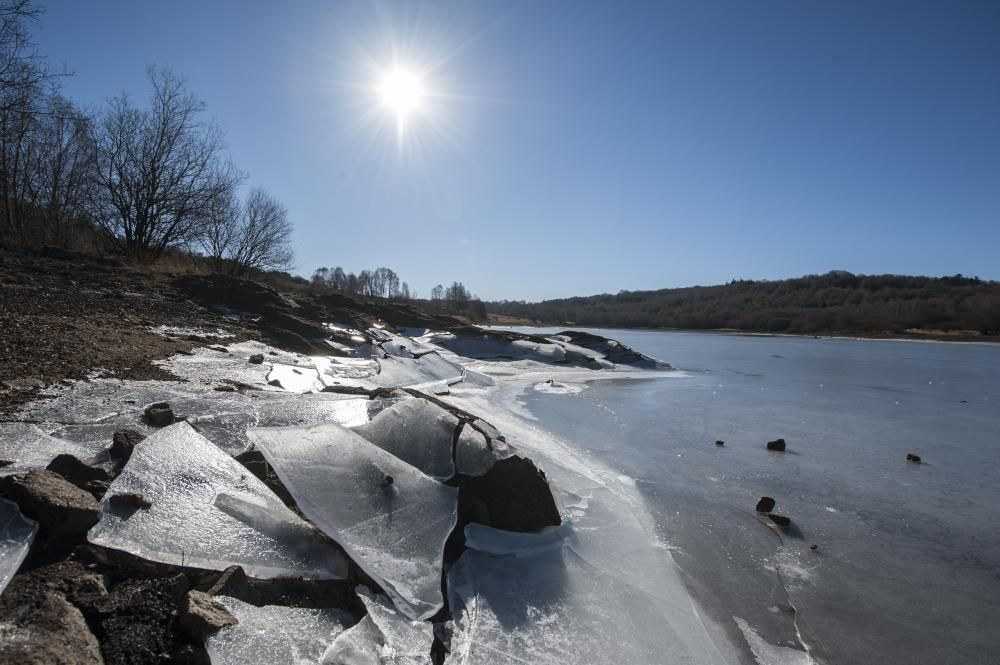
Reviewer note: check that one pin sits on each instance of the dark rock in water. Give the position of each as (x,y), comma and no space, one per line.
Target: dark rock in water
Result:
(514,495)
(720,443)
(765,504)
(75,471)
(45,629)
(129,501)
(202,616)
(388,480)
(256,359)
(159,414)
(814,547)
(777,444)
(123,443)
(62,510)
(780,520)
(910,457)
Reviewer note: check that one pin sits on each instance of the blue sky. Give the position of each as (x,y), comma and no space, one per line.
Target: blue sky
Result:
(573,148)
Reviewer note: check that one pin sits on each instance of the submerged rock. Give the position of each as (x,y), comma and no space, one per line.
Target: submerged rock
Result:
(910,457)
(777,444)
(513,495)
(62,510)
(159,414)
(765,504)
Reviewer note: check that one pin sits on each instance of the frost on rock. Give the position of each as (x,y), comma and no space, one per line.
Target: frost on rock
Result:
(16,534)
(275,635)
(417,432)
(383,636)
(209,511)
(391,518)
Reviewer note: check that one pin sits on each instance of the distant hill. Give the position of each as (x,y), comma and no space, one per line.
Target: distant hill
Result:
(836,302)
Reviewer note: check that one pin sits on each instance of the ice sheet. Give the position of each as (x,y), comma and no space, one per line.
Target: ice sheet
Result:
(391,518)
(275,635)
(402,372)
(209,511)
(30,447)
(473,456)
(16,535)
(384,636)
(417,432)
(295,379)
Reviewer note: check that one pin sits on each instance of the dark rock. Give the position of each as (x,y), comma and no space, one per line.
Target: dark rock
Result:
(43,628)
(123,443)
(910,457)
(780,520)
(233,292)
(97,488)
(225,389)
(62,510)
(765,504)
(5,462)
(256,359)
(159,414)
(275,382)
(220,349)
(129,501)
(777,444)
(720,443)
(75,471)
(233,582)
(814,547)
(514,496)
(202,616)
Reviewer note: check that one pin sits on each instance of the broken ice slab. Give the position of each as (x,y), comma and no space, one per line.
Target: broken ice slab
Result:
(392,519)
(497,541)
(417,432)
(295,379)
(209,511)
(275,635)
(383,636)
(473,455)
(209,366)
(28,446)
(16,534)
(400,372)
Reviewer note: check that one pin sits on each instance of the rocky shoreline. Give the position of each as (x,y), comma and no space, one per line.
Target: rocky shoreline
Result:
(171,469)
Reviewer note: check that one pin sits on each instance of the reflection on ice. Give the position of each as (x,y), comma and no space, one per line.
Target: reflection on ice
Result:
(274,635)
(209,511)
(391,518)
(16,534)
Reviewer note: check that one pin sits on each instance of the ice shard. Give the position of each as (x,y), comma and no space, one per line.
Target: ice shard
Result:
(392,519)
(473,455)
(430,368)
(418,432)
(27,446)
(207,510)
(16,534)
(382,637)
(275,635)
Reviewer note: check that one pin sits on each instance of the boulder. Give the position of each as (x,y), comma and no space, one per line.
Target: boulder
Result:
(910,457)
(201,616)
(123,442)
(256,359)
(75,471)
(45,629)
(765,504)
(62,510)
(159,414)
(129,501)
(514,495)
(777,444)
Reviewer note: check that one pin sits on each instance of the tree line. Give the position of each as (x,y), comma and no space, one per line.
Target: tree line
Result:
(137,179)
(834,302)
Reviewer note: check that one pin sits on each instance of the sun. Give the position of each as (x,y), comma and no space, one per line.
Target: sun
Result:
(402,92)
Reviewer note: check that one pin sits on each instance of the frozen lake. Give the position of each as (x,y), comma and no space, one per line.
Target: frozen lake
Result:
(907,565)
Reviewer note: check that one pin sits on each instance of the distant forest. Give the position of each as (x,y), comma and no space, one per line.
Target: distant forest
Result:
(835,302)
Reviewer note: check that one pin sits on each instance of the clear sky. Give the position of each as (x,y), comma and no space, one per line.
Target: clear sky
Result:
(571,148)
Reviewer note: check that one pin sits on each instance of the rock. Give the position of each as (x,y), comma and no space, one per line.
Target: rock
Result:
(159,414)
(45,629)
(233,582)
(123,442)
(910,457)
(62,510)
(75,471)
(220,349)
(765,504)
(274,382)
(780,520)
(514,495)
(256,359)
(720,443)
(777,444)
(814,547)
(97,488)
(202,616)
(225,389)
(129,501)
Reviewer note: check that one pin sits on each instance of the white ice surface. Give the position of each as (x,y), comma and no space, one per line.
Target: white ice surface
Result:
(417,432)
(275,635)
(16,535)
(473,456)
(771,654)
(383,637)
(295,379)
(394,529)
(28,446)
(209,511)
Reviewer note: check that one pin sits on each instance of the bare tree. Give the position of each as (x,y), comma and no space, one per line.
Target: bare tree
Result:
(263,236)
(160,170)
(220,227)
